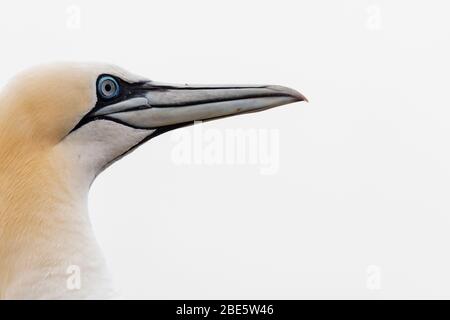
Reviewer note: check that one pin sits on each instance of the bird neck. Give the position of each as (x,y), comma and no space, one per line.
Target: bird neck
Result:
(47,246)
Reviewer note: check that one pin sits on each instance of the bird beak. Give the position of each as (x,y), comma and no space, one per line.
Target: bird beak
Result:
(153,105)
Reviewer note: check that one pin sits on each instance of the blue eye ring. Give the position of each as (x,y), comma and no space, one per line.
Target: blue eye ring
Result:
(108,87)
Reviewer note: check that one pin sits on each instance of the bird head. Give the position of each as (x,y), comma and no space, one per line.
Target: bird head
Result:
(94,113)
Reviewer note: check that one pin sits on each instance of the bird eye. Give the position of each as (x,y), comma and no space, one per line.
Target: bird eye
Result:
(108,87)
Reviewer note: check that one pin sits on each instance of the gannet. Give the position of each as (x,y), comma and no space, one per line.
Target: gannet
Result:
(61,125)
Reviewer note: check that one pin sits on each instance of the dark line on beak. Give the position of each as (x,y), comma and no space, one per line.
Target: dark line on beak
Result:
(156,87)
(215,100)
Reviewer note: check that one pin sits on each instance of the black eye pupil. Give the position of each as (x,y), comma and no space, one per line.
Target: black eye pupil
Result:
(108,87)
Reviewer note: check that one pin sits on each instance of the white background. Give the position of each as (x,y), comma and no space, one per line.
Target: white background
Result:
(360,205)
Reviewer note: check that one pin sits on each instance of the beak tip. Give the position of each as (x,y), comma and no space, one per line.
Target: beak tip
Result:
(298,96)
(301,97)
(289,92)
